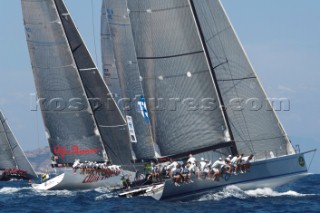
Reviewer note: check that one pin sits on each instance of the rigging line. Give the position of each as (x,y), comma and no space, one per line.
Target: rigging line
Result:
(93,32)
(159,10)
(170,56)
(37,130)
(214,35)
(222,63)
(311,160)
(178,75)
(113,126)
(237,79)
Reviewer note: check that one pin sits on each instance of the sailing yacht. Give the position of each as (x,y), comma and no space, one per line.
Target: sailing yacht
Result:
(13,162)
(83,124)
(186,53)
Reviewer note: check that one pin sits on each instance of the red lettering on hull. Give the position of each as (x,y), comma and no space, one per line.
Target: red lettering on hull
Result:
(61,151)
(107,173)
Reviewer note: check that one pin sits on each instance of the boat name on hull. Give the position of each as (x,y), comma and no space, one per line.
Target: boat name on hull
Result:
(96,178)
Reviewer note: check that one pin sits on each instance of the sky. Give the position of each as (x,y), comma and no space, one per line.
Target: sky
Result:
(281,38)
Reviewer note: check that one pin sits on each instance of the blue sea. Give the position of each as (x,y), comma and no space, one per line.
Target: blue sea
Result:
(301,196)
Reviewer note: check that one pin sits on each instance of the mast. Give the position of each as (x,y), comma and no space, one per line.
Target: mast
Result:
(214,78)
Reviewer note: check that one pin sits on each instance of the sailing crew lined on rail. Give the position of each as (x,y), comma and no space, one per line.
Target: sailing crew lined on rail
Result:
(204,169)
(89,167)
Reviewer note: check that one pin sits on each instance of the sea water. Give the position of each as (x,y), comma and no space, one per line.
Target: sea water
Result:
(301,196)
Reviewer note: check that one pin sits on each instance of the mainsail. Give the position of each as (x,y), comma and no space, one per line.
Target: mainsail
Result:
(188,52)
(11,154)
(255,126)
(174,70)
(66,80)
(111,123)
(122,61)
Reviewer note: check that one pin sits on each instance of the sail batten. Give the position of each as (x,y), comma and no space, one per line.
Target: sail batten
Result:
(169,56)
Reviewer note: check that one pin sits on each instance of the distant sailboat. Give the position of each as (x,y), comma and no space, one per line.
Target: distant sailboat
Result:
(13,162)
(82,121)
(187,51)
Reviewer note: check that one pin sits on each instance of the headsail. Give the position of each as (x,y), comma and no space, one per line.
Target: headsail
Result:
(116,34)
(173,67)
(65,77)
(256,128)
(11,154)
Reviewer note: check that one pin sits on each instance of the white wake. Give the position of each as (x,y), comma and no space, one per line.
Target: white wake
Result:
(236,192)
(62,193)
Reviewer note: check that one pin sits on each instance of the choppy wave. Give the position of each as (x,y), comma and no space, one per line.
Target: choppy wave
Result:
(301,196)
(61,193)
(236,192)
(106,196)
(105,193)
(11,190)
(102,190)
